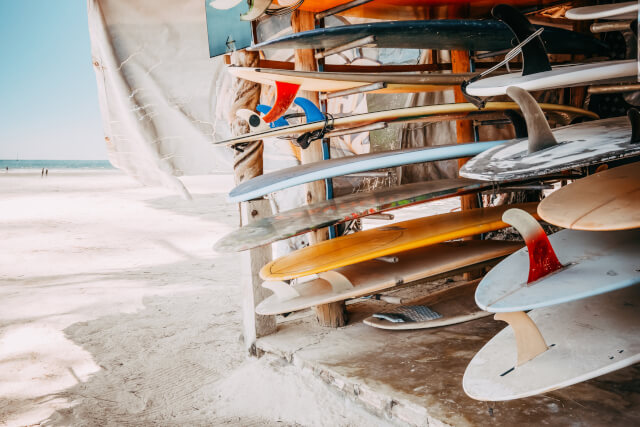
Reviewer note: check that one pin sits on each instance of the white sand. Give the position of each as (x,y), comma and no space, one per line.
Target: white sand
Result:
(114,310)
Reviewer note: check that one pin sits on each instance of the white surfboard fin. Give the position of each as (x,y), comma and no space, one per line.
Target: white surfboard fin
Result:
(542,257)
(256,9)
(256,123)
(529,341)
(283,291)
(538,130)
(338,282)
(224,4)
(634,117)
(534,54)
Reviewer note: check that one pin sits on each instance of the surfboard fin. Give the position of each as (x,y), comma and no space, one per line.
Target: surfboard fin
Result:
(285,94)
(534,54)
(283,291)
(542,257)
(256,9)
(311,111)
(518,123)
(256,123)
(538,130)
(634,117)
(338,281)
(529,341)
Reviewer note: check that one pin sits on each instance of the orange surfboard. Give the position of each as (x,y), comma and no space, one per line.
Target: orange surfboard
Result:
(382,241)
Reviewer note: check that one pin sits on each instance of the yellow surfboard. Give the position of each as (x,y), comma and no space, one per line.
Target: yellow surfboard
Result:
(381,241)
(608,200)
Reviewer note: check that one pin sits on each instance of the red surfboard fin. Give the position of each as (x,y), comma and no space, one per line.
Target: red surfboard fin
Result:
(285,94)
(542,257)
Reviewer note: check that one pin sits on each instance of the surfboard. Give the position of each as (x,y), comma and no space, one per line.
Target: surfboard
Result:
(410,114)
(627,10)
(402,9)
(566,266)
(559,77)
(334,211)
(448,307)
(443,34)
(386,240)
(371,276)
(331,82)
(577,146)
(608,200)
(584,339)
(297,175)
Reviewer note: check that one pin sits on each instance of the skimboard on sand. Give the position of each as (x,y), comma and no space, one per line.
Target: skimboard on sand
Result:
(386,240)
(547,151)
(577,341)
(627,10)
(439,34)
(563,267)
(447,307)
(607,200)
(371,276)
(460,111)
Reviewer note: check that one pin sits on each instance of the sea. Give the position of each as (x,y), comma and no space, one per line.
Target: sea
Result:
(55,164)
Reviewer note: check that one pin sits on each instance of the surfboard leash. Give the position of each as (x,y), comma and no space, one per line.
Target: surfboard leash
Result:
(304,140)
(517,50)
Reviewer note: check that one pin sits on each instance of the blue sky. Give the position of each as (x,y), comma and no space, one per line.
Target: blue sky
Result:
(48,97)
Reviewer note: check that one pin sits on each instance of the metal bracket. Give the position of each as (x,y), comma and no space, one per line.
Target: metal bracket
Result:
(350,131)
(341,8)
(368,40)
(360,89)
(538,130)
(534,54)
(388,258)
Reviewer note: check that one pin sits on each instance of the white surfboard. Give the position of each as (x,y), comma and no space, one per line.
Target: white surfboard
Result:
(577,146)
(558,77)
(585,339)
(622,11)
(594,263)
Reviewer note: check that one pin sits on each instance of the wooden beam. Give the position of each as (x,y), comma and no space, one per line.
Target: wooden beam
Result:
(247,165)
(334,314)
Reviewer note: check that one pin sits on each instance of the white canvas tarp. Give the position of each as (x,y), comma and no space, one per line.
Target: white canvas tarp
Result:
(158,88)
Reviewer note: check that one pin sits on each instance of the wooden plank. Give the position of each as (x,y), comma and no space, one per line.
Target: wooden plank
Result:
(247,165)
(334,314)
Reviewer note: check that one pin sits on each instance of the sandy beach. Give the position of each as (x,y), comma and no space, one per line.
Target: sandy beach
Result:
(114,310)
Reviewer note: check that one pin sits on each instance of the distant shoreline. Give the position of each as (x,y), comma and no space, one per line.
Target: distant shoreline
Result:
(55,164)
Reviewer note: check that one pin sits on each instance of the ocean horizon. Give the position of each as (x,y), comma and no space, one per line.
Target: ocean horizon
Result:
(55,164)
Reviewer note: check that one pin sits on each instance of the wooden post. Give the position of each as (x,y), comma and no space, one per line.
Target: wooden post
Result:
(246,165)
(334,314)
(460,63)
